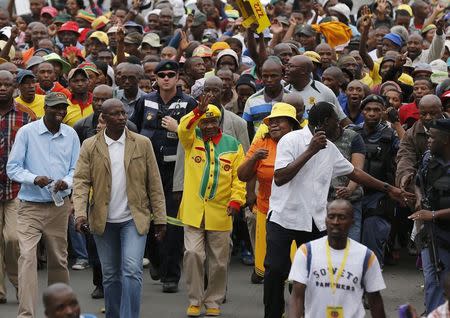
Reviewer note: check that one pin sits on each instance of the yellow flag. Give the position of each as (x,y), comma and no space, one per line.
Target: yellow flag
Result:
(253,12)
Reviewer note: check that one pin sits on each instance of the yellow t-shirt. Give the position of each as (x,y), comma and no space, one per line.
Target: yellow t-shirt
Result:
(376,77)
(75,113)
(37,105)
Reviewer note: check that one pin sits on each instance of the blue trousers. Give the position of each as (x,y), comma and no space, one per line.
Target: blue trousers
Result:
(121,249)
(434,291)
(78,241)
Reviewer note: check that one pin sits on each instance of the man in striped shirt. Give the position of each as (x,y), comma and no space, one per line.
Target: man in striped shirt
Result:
(12,117)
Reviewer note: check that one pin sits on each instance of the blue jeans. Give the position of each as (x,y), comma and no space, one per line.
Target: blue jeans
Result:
(78,241)
(121,249)
(355,230)
(434,291)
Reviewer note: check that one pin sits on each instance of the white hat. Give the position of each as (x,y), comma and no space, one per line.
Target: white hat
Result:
(438,66)
(342,9)
(6,31)
(12,51)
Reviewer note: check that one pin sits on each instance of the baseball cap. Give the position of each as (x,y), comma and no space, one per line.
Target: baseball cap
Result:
(246,79)
(55,57)
(394,38)
(342,9)
(23,74)
(33,61)
(152,39)
(85,15)
(167,65)
(219,46)
(87,66)
(306,30)
(210,35)
(49,10)
(313,56)
(372,98)
(101,36)
(202,51)
(406,8)
(132,24)
(62,18)
(100,22)
(199,18)
(211,112)
(422,67)
(69,26)
(55,98)
(112,29)
(133,38)
(75,71)
(438,66)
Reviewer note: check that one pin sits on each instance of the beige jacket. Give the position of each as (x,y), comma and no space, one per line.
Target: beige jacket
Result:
(144,188)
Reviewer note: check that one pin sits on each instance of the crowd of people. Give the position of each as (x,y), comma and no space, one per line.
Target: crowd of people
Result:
(173,134)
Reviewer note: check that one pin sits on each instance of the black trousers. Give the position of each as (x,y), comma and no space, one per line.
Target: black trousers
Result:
(278,263)
(97,277)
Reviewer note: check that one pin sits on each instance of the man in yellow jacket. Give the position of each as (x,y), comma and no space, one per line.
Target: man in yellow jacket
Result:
(212,194)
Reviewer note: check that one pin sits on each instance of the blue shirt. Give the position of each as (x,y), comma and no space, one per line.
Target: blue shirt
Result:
(358,120)
(37,152)
(342,98)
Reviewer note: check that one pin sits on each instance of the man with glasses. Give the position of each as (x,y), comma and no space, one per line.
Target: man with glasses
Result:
(156,116)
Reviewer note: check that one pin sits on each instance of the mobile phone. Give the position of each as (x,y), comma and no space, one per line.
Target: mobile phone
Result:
(318,128)
(404,311)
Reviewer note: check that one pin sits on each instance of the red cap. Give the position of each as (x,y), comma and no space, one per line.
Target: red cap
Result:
(69,26)
(446,94)
(50,10)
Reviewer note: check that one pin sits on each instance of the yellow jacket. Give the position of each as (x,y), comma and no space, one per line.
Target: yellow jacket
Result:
(210,178)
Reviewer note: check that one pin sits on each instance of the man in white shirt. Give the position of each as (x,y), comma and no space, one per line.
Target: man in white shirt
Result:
(331,274)
(118,178)
(304,167)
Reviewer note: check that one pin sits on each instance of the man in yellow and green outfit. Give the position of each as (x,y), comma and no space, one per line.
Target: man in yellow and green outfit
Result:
(212,194)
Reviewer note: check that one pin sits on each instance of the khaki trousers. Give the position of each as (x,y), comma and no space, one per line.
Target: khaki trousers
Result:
(9,246)
(250,218)
(34,221)
(214,248)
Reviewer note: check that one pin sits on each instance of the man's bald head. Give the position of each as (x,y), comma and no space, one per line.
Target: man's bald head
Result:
(6,75)
(10,67)
(302,62)
(59,298)
(430,100)
(213,80)
(103,89)
(54,290)
(430,108)
(335,72)
(342,205)
(110,104)
(272,63)
(296,100)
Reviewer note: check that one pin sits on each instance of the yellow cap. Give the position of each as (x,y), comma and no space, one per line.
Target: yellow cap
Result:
(219,46)
(211,112)
(282,110)
(101,36)
(313,56)
(406,8)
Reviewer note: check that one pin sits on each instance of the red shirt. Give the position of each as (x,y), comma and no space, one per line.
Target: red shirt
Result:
(56,88)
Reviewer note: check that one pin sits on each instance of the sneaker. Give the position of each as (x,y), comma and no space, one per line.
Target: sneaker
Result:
(247,258)
(193,311)
(98,293)
(170,287)
(256,279)
(145,262)
(212,312)
(80,265)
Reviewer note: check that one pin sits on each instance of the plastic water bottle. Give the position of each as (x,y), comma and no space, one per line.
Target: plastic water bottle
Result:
(56,196)
(88,316)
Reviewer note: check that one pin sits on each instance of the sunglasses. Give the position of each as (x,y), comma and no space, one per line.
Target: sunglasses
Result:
(164,75)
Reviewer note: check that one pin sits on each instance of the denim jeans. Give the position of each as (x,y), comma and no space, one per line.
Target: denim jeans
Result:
(78,241)
(121,249)
(355,230)
(434,291)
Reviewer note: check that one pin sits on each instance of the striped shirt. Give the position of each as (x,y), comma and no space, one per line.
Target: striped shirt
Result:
(10,123)
(440,312)
(259,106)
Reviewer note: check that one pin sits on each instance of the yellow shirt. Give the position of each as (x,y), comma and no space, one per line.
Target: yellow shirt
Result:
(376,77)
(75,113)
(210,177)
(37,105)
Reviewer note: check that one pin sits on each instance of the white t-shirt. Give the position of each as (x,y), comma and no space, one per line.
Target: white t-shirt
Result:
(118,210)
(295,204)
(349,291)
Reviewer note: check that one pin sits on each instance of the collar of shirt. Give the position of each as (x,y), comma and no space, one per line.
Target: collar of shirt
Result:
(42,129)
(110,141)
(216,138)
(278,98)
(80,103)
(121,95)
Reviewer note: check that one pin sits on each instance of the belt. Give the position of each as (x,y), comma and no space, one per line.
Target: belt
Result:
(47,202)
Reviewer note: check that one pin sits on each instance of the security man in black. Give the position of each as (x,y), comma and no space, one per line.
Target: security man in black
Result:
(381,148)
(433,212)
(156,116)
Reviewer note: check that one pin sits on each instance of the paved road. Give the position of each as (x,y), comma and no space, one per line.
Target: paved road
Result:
(244,299)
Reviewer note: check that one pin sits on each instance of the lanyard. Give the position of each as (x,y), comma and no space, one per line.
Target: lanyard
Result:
(333,282)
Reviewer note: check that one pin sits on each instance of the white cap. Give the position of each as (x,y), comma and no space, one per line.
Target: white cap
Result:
(342,9)
(6,31)
(438,66)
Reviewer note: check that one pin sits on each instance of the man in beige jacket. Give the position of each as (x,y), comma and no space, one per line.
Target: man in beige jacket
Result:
(117,178)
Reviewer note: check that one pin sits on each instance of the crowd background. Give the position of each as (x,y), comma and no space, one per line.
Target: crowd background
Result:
(383,66)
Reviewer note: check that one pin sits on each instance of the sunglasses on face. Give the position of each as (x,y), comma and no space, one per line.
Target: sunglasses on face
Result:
(164,75)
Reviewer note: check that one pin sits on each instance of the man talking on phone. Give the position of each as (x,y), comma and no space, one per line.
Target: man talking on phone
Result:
(305,164)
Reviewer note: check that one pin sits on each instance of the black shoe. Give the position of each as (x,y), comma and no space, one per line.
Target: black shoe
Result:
(98,293)
(3,300)
(256,279)
(154,272)
(170,287)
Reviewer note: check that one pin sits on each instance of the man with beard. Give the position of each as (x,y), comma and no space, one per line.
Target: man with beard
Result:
(45,153)
(414,45)
(46,80)
(414,143)
(298,74)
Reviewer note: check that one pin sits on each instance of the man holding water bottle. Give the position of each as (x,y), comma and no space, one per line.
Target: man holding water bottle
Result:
(43,161)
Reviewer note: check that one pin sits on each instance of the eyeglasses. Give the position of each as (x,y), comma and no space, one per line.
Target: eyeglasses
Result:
(169,74)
